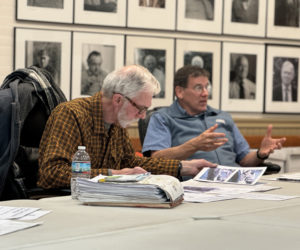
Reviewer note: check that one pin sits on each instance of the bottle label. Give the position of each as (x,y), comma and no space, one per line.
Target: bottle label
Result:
(81,167)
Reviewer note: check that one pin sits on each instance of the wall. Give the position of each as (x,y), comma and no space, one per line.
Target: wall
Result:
(250,124)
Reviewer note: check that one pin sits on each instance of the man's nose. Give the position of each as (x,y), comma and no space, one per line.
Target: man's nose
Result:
(142,115)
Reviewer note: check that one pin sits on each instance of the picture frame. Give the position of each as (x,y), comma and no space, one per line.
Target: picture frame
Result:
(149,17)
(59,11)
(283,20)
(283,67)
(245,19)
(191,17)
(243,77)
(206,54)
(157,52)
(94,56)
(106,14)
(49,49)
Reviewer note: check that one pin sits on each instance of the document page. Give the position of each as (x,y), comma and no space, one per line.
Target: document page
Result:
(227,174)
(10,226)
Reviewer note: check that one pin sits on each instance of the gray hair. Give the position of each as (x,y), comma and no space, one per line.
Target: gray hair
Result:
(129,81)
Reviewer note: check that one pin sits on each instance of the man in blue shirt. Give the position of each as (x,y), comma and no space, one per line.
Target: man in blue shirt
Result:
(190,129)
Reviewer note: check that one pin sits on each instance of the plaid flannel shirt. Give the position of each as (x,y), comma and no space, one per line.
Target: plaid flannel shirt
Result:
(80,122)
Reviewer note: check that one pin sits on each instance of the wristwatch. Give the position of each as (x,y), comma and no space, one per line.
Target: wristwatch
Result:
(259,157)
(179,170)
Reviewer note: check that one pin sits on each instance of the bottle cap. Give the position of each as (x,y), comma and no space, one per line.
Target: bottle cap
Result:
(81,147)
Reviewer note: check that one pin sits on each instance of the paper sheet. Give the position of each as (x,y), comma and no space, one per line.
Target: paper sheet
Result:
(9,226)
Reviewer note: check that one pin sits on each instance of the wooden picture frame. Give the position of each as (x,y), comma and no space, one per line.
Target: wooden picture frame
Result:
(59,11)
(50,49)
(147,51)
(206,54)
(145,15)
(94,56)
(283,65)
(283,20)
(245,19)
(192,17)
(242,65)
(106,14)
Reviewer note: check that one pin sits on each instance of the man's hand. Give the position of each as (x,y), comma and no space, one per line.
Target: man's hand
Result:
(268,144)
(192,167)
(208,140)
(135,170)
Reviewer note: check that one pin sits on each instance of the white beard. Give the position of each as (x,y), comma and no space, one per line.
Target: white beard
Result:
(122,118)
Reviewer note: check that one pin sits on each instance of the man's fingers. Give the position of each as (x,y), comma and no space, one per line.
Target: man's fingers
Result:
(212,128)
(269,131)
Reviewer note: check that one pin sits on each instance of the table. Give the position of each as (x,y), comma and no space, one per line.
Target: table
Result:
(229,224)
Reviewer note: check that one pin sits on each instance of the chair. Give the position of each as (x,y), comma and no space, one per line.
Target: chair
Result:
(35,96)
(142,127)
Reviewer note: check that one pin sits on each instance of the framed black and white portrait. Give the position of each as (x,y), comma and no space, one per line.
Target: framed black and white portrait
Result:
(282,82)
(200,16)
(60,11)
(206,54)
(157,55)
(284,19)
(48,49)
(159,14)
(99,12)
(245,17)
(94,56)
(243,77)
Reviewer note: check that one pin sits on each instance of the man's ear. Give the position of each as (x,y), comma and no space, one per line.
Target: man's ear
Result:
(179,92)
(117,99)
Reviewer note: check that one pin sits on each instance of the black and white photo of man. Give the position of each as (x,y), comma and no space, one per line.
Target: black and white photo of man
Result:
(285,81)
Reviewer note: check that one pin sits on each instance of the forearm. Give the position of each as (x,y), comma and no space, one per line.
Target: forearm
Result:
(181,152)
(251,160)
(54,174)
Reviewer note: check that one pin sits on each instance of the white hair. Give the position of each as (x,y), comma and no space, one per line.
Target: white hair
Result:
(129,81)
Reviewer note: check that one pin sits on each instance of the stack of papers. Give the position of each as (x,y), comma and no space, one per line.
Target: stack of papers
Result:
(130,190)
(289,177)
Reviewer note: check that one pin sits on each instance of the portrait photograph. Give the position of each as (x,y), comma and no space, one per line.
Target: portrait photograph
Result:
(148,13)
(94,56)
(205,54)
(100,12)
(155,61)
(101,5)
(152,3)
(282,83)
(60,11)
(245,17)
(243,77)
(46,55)
(199,16)
(283,19)
(157,55)
(47,49)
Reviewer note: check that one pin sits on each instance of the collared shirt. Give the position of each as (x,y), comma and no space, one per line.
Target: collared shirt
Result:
(286,93)
(173,126)
(248,86)
(80,122)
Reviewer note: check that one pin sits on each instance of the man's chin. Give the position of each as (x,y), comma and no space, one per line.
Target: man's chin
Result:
(125,124)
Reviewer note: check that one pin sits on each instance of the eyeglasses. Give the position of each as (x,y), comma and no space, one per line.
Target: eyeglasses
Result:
(200,88)
(141,109)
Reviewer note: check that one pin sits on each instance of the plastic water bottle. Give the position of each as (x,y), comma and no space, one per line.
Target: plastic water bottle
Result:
(81,167)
